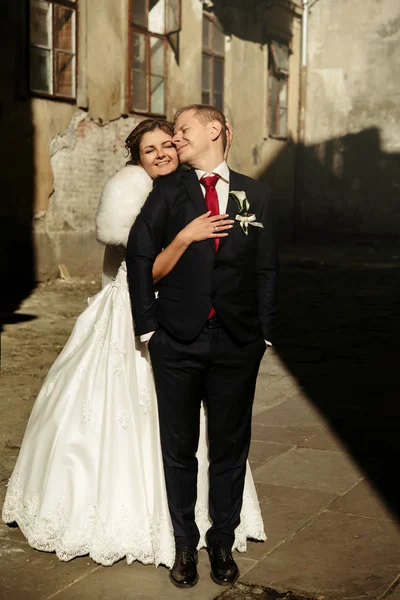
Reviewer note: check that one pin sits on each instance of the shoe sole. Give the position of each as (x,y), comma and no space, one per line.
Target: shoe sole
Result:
(183,585)
(224,583)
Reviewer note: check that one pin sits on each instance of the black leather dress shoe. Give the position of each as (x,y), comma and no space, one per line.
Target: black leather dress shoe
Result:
(184,572)
(224,570)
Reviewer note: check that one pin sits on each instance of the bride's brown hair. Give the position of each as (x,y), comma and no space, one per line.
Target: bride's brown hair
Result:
(132,142)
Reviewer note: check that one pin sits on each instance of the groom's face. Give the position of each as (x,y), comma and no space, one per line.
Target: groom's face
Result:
(192,138)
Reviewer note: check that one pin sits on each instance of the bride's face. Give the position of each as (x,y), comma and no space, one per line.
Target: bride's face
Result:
(157,153)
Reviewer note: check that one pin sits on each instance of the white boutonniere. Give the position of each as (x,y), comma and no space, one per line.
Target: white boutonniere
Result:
(243,205)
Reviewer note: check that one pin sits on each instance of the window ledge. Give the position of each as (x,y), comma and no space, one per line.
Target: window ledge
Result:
(282,138)
(45,96)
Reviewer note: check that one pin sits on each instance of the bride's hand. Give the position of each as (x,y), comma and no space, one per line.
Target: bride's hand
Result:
(206,227)
(229,138)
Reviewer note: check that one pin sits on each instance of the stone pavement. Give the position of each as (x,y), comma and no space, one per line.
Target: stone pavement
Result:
(324,447)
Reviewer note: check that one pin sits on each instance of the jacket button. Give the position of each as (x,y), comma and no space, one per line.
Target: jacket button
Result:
(216,265)
(214,297)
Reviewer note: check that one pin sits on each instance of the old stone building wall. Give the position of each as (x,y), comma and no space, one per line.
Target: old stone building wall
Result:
(352,157)
(70,149)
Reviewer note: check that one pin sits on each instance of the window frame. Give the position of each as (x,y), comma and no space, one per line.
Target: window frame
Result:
(214,56)
(73,5)
(133,27)
(278,75)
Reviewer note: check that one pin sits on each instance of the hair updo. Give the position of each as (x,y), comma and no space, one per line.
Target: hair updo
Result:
(132,142)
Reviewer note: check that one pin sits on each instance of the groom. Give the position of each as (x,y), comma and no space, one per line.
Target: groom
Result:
(212,323)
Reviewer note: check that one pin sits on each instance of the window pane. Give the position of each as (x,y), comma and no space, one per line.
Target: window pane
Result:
(282,122)
(205,73)
(64,28)
(139,16)
(283,93)
(273,89)
(218,76)
(218,39)
(218,101)
(40,23)
(157,16)
(65,68)
(157,86)
(206,32)
(205,97)
(157,56)
(173,16)
(40,70)
(273,130)
(139,83)
(281,55)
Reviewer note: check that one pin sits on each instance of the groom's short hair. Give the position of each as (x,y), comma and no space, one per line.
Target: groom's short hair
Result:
(205,113)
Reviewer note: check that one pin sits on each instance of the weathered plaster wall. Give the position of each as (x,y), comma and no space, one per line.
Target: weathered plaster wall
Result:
(82,159)
(76,147)
(75,151)
(107,57)
(184,69)
(352,157)
(254,152)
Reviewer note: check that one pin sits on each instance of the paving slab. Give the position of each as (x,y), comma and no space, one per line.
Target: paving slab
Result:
(284,511)
(306,468)
(140,582)
(272,390)
(282,434)
(336,556)
(296,411)
(363,500)
(394,592)
(263,451)
(325,440)
(26,574)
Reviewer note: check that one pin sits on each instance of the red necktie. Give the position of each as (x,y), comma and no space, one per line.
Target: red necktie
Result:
(211,199)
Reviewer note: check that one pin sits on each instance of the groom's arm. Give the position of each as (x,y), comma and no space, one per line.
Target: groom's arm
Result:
(144,244)
(267,267)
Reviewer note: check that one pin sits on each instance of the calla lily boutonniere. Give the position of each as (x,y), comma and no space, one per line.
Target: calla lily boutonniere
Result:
(243,205)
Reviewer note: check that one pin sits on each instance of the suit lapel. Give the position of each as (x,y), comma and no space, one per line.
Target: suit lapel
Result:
(235,184)
(192,185)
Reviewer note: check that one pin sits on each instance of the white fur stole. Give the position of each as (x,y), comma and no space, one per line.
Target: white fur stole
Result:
(121,201)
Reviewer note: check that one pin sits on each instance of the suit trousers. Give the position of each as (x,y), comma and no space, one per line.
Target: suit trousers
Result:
(223,373)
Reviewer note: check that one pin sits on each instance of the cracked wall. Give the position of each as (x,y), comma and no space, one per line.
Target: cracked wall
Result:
(78,147)
(82,159)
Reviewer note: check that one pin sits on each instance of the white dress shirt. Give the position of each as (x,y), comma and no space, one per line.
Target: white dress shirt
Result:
(222,188)
(222,185)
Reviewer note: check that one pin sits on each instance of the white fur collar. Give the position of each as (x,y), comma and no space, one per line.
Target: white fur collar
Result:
(121,200)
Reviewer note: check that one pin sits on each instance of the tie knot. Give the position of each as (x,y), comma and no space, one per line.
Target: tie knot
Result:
(210,181)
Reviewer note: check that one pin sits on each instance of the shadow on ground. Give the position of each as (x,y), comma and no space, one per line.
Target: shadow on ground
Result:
(338,334)
(17,278)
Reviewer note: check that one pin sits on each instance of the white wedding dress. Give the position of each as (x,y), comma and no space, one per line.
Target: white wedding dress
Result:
(89,477)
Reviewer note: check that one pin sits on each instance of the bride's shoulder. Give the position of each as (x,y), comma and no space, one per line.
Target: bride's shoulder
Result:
(129,178)
(121,200)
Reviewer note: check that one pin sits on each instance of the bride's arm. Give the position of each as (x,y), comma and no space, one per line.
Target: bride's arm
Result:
(199,229)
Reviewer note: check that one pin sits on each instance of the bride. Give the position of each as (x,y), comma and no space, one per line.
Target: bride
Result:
(89,477)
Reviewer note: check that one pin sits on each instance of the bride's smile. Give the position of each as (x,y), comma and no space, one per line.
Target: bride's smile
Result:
(158,154)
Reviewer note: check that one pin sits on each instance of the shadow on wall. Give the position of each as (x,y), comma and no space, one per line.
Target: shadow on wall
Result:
(339,309)
(16,165)
(251,21)
(350,186)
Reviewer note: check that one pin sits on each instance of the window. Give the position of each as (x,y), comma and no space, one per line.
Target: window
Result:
(212,91)
(53,48)
(151,22)
(278,80)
